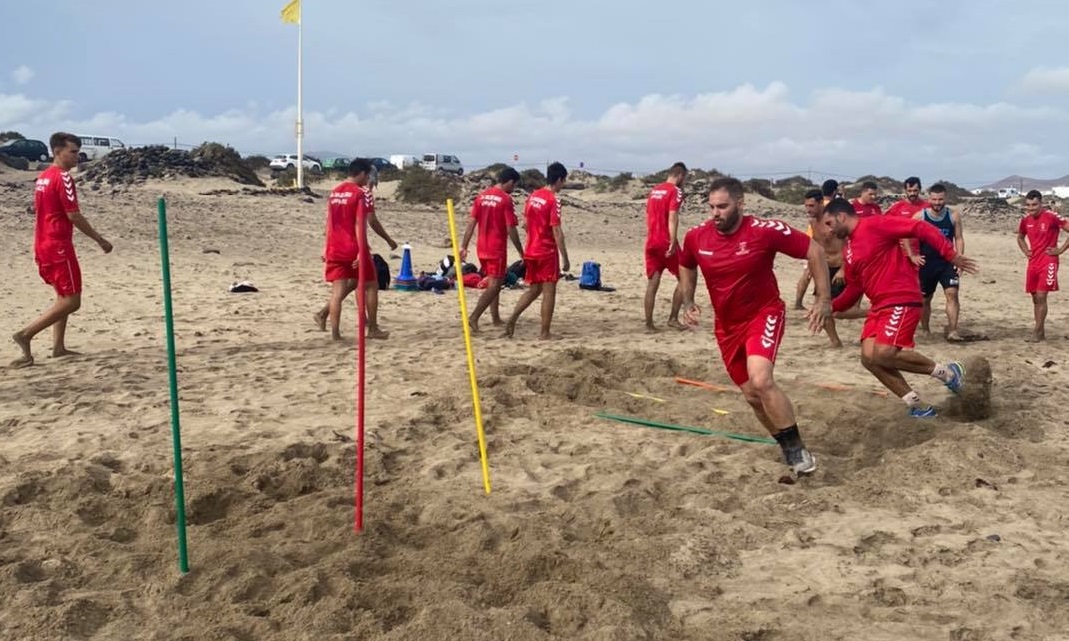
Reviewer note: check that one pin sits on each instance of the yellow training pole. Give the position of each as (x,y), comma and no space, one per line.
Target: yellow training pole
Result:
(467,344)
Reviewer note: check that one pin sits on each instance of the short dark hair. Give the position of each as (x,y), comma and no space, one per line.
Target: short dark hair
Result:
(555,172)
(829,187)
(507,175)
(1033,195)
(678,169)
(840,206)
(733,186)
(911,181)
(868,184)
(61,139)
(814,194)
(359,166)
(937,188)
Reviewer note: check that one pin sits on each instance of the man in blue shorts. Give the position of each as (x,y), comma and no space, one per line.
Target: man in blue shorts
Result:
(935,270)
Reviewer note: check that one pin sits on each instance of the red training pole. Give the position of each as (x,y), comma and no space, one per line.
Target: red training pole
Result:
(361,278)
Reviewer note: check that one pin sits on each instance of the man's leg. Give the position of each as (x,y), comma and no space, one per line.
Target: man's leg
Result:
(59,311)
(926,314)
(953,312)
(833,333)
(549,302)
(774,410)
(1039,305)
(801,288)
(322,315)
(677,304)
(371,303)
(875,359)
(652,285)
(339,289)
(488,298)
(525,301)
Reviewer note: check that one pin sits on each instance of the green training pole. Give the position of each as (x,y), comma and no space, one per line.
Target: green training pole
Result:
(686,428)
(176,430)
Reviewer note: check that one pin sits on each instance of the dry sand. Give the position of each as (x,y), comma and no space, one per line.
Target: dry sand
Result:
(943,529)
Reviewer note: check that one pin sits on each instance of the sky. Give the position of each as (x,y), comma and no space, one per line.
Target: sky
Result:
(968,91)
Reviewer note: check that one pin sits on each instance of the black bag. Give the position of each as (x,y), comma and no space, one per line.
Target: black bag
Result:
(382,271)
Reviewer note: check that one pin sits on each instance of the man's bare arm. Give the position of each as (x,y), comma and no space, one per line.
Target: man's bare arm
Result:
(515,237)
(80,221)
(468,231)
(959,232)
(373,221)
(558,235)
(1023,245)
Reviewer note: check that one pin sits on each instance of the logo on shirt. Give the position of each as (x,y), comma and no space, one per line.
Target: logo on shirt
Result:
(705,252)
(894,323)
(775,225)
(768,339)
(742,250)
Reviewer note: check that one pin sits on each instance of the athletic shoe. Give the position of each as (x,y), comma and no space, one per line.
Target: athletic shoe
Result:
(922,412)
(800,460)
(957,376)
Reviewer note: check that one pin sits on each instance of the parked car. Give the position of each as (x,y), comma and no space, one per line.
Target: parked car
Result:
(381,164)
(443,163)
(289,161)
(94,147)
(341,163)
(34,150)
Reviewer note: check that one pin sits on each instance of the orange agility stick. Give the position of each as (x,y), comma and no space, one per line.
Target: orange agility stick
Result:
(834,387)
(703,385)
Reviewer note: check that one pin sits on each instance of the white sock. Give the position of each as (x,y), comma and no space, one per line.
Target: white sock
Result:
(912,399)
(942,373)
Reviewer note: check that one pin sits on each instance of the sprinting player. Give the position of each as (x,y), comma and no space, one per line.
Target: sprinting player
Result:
(735,253)
(865,204)
(55,204)
(495,215)
(936,270)
(874,268)
(350,206)
(828,189)
(662,241)
(545,240)
(908,207)
(1037,236)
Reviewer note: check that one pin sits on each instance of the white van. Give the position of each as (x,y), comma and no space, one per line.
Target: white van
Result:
(404,161)
(443,163)
(94,147)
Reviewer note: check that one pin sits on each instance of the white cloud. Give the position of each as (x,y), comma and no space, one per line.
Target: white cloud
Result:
(22,75)
(747,131)
(1044,79)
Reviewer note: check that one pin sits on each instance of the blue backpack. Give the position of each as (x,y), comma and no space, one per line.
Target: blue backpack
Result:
(590,278)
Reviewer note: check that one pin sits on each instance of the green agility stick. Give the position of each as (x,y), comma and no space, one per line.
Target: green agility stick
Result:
(168,315)
(684,428)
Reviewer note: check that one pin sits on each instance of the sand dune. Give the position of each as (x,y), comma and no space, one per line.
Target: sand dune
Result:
(947,529)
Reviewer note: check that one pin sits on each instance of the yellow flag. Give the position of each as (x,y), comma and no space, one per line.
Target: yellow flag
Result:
(292,12)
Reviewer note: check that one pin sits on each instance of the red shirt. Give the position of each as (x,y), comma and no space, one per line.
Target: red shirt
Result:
(494,212)
(663,200)
(908,209)
(348,205)
(874,268)
(866,209)
(54,200)
(1042,233)
(737,268)
(542,214)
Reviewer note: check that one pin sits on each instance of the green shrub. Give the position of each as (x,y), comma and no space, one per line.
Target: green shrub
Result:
(257,163)
(421,186)
(213,154)
(531,179)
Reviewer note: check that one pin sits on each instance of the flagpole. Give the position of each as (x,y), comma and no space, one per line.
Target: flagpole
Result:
(300,102)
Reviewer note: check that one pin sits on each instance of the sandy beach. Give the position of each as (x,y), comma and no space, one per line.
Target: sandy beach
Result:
(942,530)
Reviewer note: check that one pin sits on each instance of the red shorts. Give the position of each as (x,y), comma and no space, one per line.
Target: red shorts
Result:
(344,270)
(760,337)
(893,325)
(657,262)
(1042,276)
(64,275)
(494,267)
(544,269)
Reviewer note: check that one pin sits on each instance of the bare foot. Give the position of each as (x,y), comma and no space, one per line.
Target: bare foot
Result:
(954,337)
(510,328)
(836,344)
(498,322)
(321,321)
(27,356)
(799,307)
(64,352)
(547,337)
(1035,338)
(675,324)
(652,329)
(375,333)
(336,337)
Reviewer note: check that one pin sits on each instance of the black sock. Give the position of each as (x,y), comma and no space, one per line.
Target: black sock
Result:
(788,438)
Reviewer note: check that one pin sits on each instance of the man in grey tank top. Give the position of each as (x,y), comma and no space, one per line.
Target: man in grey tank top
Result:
(936,271)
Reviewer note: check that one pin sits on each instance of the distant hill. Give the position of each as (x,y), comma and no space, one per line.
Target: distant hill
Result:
(1025,183)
